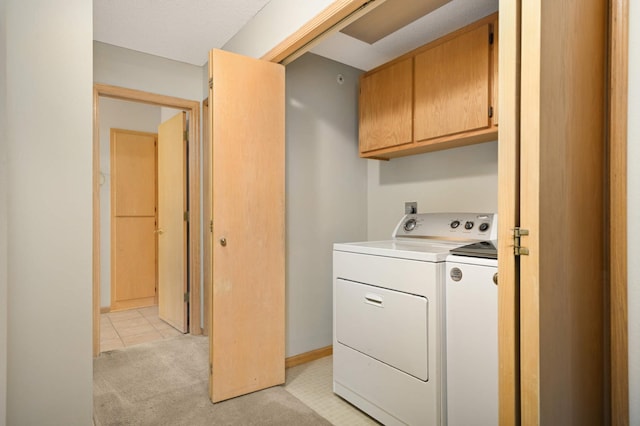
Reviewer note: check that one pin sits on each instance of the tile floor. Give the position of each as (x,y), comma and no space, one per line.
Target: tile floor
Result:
(127,328)
(312,383)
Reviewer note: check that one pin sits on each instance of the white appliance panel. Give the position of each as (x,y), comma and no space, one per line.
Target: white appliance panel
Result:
(389,395)
(387,325)
(472,343)
(408,276)
(424,250)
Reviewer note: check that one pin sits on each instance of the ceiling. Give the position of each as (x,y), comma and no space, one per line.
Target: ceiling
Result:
(182,30)
(185,30)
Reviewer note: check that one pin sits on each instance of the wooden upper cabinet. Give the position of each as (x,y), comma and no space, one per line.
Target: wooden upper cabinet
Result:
(386,100)
(452,86)
(441,95)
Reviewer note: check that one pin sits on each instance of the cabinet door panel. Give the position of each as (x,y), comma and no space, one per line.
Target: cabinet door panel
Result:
(385,107)
(452,86)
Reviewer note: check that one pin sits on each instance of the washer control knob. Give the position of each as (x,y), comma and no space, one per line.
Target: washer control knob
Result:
(483,226)
(455,224)
(410,225)
(468,225)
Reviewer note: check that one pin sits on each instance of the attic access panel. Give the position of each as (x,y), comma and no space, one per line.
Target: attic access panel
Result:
(390,17)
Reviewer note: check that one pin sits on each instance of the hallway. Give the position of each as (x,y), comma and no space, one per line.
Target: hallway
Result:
(131,327)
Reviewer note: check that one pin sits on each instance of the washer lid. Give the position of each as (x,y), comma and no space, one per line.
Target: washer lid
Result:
(424,250)
(484,249)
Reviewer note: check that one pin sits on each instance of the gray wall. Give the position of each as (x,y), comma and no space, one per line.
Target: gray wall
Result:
(634,212)
(3,219)
(128,68)
(118,115)
(326,190)
(48,134)
(460,179)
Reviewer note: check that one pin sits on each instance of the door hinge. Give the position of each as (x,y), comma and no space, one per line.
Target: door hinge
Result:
(211,83)
(186,297)
(185,136)
(518,250)
(211,225)
(491,37)
(490,111)
(210,368)
(186,216)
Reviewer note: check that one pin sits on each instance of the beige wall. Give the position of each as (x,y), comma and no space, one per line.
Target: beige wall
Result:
(3,220)
(49,130)
(118,115)
(634,212)
(461,179)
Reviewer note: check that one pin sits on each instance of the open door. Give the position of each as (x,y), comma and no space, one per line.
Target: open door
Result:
(551,174)
(246,104)
(172,222)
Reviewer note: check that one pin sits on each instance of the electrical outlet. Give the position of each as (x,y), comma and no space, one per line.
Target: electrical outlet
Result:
(410,207)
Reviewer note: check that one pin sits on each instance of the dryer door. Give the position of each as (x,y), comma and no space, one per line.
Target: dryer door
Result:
(387,325)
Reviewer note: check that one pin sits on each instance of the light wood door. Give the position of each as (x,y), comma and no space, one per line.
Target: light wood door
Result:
(452,86)
(552,151)
(133,216)
(386,102)
(172,226)
(246,104)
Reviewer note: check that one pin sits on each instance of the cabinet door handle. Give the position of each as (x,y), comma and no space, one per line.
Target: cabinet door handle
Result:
(223,242)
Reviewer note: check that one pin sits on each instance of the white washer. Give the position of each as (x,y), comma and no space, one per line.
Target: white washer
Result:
(389,315)
(472,338)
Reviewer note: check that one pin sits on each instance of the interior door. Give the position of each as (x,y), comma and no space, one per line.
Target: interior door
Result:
(133,216)
(552,150)
(172,224)
(246,104)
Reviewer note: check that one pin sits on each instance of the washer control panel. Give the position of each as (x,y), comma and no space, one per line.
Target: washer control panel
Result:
(464,226)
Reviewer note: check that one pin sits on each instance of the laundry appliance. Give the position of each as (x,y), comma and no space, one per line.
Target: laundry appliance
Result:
(472,335)
(389,314)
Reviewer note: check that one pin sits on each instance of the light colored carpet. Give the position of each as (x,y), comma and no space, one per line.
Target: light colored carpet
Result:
(165,383)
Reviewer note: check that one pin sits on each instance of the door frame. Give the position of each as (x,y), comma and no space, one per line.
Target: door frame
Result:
(617,209)
(328,20)
(193,108)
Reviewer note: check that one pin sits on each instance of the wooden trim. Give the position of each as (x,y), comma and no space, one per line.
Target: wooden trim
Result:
(193,107)
(529,206)
(303,358)
(618,92)
(132,304)
(508,210)
(105,309)
(125,94)
(489,134)
(206,215)
(325,20)
(194,220)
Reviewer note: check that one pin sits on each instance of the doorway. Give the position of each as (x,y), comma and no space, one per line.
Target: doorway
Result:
(191,215)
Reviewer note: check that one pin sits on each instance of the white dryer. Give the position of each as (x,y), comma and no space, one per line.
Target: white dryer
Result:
(389,316)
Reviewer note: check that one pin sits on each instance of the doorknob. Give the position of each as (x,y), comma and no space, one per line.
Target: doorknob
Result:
(159,231)
(223,242)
